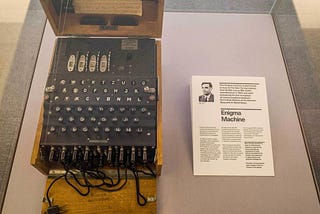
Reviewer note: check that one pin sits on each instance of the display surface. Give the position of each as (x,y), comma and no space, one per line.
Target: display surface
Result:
(100,102)
(216,47)
(13,106)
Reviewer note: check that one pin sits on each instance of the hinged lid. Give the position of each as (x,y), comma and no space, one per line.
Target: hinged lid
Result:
(106,18)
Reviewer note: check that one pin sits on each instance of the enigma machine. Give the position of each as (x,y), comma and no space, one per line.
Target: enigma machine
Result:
(100,124)
(100,102)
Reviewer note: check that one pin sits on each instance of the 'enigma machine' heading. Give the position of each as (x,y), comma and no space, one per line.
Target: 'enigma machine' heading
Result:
(100,103)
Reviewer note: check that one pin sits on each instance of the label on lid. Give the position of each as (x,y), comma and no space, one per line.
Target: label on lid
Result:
(129,44)
(116,7)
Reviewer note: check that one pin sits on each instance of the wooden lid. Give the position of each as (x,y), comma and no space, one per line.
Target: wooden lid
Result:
(105,18)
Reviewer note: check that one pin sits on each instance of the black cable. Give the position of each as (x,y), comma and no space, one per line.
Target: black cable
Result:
(84,175)
(118,173)
(98,175)
(119,188)
(75,188)
(103,178)
(150,173)
(47,194)
(146,173)
(68,171)
(153,174)
(76,179)
(103,182)
(138,193)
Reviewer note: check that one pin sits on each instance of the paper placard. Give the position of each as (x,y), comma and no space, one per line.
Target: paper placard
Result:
(230,126)
(115,7)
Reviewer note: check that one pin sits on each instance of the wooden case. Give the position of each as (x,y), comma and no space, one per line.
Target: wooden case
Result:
(148,24)
(99,201)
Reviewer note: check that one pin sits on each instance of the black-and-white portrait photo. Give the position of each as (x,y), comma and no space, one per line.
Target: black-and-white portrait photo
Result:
(207,95)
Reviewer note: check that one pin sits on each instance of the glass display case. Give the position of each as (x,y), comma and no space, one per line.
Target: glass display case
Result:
(296,22)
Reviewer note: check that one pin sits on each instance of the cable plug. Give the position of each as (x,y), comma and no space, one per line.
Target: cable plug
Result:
(53,210)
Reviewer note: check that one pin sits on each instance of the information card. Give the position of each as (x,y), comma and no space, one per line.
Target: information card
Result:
(230,126)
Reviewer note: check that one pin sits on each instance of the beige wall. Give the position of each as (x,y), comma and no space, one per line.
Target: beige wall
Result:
(308,12)
(13,11)
(12,15)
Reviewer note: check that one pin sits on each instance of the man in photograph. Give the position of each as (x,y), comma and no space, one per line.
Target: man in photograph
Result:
(207,95)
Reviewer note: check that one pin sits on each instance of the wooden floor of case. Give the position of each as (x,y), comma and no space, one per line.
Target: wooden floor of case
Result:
(123,201)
